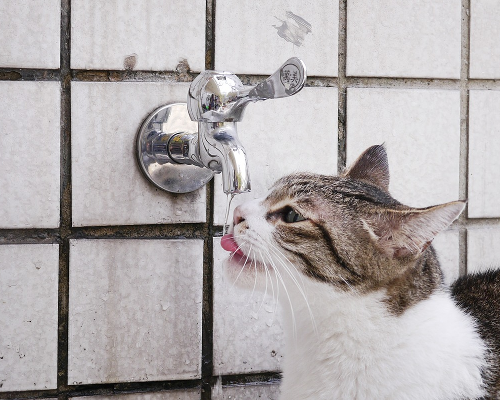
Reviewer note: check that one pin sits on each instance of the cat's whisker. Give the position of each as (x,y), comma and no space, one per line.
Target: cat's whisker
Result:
(354,290)
(277,292)
(254,277)
(267,273)
(286,264)
(284,260)
(280,255)
(302,292)
(301,289)
(242,268)
(271,278)
(265,291)
(288,297)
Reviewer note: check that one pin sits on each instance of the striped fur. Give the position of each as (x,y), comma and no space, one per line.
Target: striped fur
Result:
(367,313)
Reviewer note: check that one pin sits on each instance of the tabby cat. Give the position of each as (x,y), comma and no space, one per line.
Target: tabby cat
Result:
(367,315)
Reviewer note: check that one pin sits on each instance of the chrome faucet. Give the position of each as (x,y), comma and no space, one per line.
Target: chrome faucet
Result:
(179,158)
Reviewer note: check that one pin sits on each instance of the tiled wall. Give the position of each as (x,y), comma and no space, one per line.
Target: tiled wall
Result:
(111,289)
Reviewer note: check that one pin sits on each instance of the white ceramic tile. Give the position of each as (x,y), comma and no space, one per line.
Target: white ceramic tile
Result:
(485,39)
(30,141)
(248,327)
(421,131)
(256,38)
(446,245)
(28,316)
(108,186)
(418,38)
(247,392)
(137,34)
(484,147)
(170,395)
(286,135)
(135,310)
(30,30)
(483,252)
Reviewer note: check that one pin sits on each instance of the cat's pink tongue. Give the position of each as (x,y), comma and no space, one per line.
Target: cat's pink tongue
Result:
(229,244)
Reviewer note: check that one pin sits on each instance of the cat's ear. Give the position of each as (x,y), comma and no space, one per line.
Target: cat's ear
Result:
(372,166)
(407,233)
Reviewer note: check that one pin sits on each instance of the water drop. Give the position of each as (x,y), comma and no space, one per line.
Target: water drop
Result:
(228,208)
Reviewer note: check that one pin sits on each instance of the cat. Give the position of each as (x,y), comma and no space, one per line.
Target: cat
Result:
(366,312)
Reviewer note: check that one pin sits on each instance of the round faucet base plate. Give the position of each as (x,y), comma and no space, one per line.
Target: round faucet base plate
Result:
(153,156)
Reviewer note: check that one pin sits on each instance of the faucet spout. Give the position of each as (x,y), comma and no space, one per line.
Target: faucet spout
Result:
(221,151)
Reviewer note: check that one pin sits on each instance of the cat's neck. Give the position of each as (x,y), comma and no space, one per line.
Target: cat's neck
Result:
(311,299)
(418,283)
(355,343)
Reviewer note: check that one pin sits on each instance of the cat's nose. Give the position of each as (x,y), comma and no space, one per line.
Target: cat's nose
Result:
(238,216)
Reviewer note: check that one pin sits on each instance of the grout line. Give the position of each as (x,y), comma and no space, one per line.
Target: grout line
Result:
(462,251)
(342,87)
(181,74)
(25,74)
(482,222)
(252,378)
(207,322)
(464,129)
(156,231)
(483,84)
(208,290)
(105,389)
(207,312)
(29,236)
(162,231)
(210,35)
(65,201)
(32,394)
(406,83)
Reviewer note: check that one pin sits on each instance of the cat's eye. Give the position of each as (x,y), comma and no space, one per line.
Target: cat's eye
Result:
(292,216)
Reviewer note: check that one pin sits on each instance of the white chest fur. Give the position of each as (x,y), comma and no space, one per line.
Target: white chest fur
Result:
(361,351)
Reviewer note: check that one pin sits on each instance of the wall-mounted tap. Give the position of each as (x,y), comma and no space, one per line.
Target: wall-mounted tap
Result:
(178,156)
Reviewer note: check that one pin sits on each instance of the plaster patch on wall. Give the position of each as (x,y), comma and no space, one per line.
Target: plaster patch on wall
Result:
(293,29)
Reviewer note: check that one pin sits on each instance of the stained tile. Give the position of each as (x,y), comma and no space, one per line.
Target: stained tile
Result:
(30,141)
(282,136)
(484,39)
(248,327)
(135,310)
(31,33)
(137,34)
(108,187)
(28,316)
(421,132)
(247,392)
(419,38)
(483,252)
(257,39)
(484,147)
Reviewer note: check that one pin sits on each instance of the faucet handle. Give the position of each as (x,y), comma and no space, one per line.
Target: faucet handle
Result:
(286,81)
(221,97)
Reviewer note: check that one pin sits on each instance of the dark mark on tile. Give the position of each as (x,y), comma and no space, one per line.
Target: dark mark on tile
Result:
(130,62)
(293,29)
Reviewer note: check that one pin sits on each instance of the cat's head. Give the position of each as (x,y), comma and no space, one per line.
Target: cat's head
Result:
(346,231)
